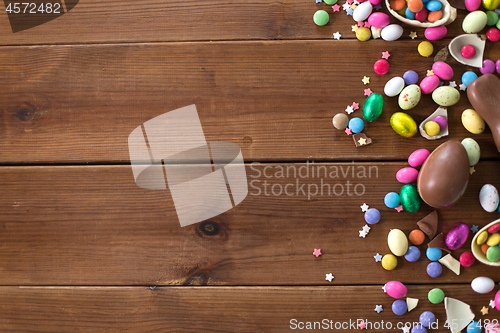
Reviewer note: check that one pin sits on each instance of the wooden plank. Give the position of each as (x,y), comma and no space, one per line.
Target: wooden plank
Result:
(131,21)
(78,104)
(218,309)
(93,226)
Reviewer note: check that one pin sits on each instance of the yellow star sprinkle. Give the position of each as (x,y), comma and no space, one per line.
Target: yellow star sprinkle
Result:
(353,6)
(362,141)
(430,72)
(413,35)
(366,80)
(484,311)
(354,27)
(472,170)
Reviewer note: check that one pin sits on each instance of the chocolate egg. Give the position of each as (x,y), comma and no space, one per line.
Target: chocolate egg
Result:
(409,198)
(443,178)
(373,107)
(456,237)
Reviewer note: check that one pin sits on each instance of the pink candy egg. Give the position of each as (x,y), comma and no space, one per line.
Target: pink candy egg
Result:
(498,66)
(435,33)
(443,70)
(472,5)
(395,289)
(375,2)
(497,300)
(457,236)
(418,157)
(407,175)
(441,121)
(493,34)
(429,84)
(379,20)
(494,228)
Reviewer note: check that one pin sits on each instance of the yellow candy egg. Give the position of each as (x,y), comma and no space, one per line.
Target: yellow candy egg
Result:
(363,34)
(431,128)
(493,239)
(403,124)
(425,49)
(482,237)
(491,4)
(389,262)
(472,121)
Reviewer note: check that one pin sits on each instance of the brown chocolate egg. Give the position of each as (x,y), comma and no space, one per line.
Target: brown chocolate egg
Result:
(443,178)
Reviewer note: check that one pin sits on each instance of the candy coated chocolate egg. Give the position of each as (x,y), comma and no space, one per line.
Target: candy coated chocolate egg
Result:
(493,253)
(474,22)
(434,269)
(493,239)
(394,86)
(416,237)
(362,11)
(482,285)
(494,228)
(392,32)
(482,237)
(473,150)
(433,253)
(472,5)
(373,107)
(435,33)
(409,97)
(407,175)
(429,84)
(395,289)
(489,198)
(372,216)
(413,254)
(467,259)
(403,124)
(472,121)
(391,200)
(398,243)
(443,178)
(379,20)
(340,121)
(410,77)
(491,4)
(427,318)
(389,262)
(442,70)
(418,157)
(457,236)
(399,307)
(409,198)
(446,96)
(435,296)
(497,300)
(442,122)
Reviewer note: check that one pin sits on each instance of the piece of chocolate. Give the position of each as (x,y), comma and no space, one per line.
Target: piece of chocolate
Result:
(360,139)
(439,242)
(442,55)
(458,4)
(484,95)
(429,224)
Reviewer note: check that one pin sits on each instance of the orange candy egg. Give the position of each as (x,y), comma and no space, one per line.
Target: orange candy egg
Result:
(397,4)
(416,237)
(435,15)
(415,5)
(484,248)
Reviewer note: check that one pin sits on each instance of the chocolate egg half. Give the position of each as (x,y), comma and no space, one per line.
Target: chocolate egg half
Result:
(443,178)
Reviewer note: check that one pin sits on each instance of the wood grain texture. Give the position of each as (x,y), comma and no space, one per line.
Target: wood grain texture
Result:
(217,309)
(93,226)
(129,21)
(78,104)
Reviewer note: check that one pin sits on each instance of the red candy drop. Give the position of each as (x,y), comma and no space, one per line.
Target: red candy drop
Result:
(468,51)
(467,259)
(381,67)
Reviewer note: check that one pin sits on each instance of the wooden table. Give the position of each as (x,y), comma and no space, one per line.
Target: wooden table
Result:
(84,249)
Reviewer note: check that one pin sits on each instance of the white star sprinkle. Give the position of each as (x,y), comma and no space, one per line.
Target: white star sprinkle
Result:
(349,109)
(406,329)
(462,87)
(452,84)
(383,288)
(492,304)
(346,6)
(362,233)
(378,308)
(364,207)
(377,257)
(329,277)
(366,228)
(337,35)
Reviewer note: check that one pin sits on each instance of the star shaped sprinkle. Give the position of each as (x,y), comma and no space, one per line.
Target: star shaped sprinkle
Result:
(355,106)
(492,304)
(472,170)
(452,84)
(364,207)
(348,131)
(349,11)
(378,308)
(406,329)
(362,233)
(386,55)
(365,80)
(349,2)
(399,208)
(362,141)
(337,35)
(362,325)
(367,25)
(317,252)
(329,277)
(383,288)
(366,228)
(353,6)
(474,228)
(368,92)
(484,311)
(349,109)
(413,35)
(377,257)
(462,87)
(430,72)
(377,7)
(336,8)
(346,6)
(354,27)
(361,24)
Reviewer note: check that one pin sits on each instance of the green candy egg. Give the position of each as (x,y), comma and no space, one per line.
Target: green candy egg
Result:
(330,2)
(474,22)
(493,253)
(410,199)
(373,107)
(403,124)
(436,296)
(321,17)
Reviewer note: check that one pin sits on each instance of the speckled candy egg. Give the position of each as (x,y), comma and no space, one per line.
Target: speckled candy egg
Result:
(472,121)
(407,175)
(488,197)
(403,124)
(373,107)
(492,327)
(392,32)
(409,97)
(394,86)
(446,96)
(397,241)
(473,150)
(457,236)
(409,198)
(482,285)
(362,11)
(395,289)
(418,157)
(474,22)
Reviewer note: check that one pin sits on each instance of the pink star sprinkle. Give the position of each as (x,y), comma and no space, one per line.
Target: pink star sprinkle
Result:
(348,131)
(367,25)
(360,23)
(317,252)
(386,55)
(355,106)
(362,325)
(399,208)
(349,2)
(368,92)
(336,8)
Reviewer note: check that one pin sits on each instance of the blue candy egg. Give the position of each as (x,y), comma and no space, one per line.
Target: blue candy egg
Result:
(409,14)
(410,77)
(412,254)
(419,329)
(468,77)
(433,5)
(356,125)
(433,253)
(372,216)
(434,269)
(391,200)
(474,327)
(427,318)
(399,307)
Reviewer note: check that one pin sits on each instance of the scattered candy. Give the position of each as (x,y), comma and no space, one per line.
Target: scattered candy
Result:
(377,257)
(457,236)
(394,86)
(473,150)
(364,207)
(360,139)
(391,200)
(474,22)
(433,254)
(411,303)
(443,70)
(474,327)
(416,237)
(467,259)
(407,175)
(489,198)
(472,121)
(329,277)
(337,35)
(418,157)
(441,121)
(429,84)
(403,124)
(409,97)
(432,128)
(409,198)
(434,269)
(395,289)
(446,96)
(372,216)
(373,107)
(413,35)
(468,77)
(451,263)
(340,121)
(363,34)
(363,232)
(392,32)
(410,77)
(389,262)
(484,311)
(397,241)
(425,49)
(365,80)
(482,285)
(399,307)
(317,252)
(427,318)
(435,296)
(356,125)
(378,308)
(321,18)
(435,33)
(413,254)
